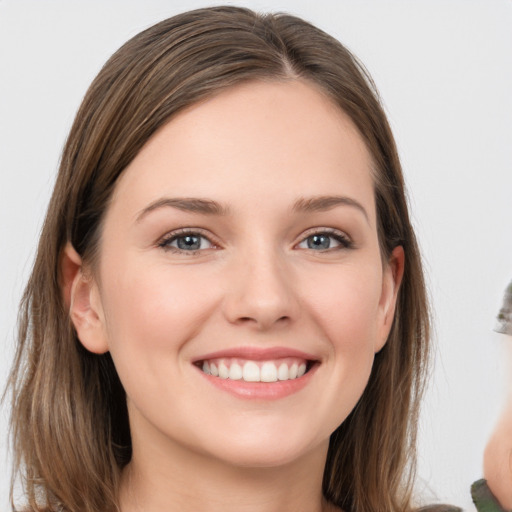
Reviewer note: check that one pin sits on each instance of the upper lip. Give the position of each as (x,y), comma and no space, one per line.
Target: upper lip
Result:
(257,354)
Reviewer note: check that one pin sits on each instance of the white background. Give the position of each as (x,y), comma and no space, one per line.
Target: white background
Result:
(444,69)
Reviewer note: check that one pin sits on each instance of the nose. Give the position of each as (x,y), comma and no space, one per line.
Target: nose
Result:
(261,293)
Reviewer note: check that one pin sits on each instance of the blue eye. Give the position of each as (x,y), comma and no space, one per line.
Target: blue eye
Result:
(186,242)
(325,241)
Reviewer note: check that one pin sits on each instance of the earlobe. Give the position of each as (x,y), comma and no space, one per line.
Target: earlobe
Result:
(81,297)
(391,281)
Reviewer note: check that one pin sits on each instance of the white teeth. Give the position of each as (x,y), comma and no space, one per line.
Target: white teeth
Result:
(255,371)
(235,372)
(223,371)
(251,372)
(282,372)
(268,372)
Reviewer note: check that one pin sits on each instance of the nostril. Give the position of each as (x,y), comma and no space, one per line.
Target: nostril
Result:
(263,322)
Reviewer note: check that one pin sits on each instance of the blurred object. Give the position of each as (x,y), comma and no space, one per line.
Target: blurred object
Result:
(483,498)
(498,451)
(504,317)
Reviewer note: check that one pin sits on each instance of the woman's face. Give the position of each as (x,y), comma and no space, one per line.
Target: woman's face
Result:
(239,251)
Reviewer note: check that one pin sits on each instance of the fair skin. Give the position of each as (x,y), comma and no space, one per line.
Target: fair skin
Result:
(242,235)
(498,452)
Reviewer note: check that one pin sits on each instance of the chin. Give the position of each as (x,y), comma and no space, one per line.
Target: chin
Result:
(268,450)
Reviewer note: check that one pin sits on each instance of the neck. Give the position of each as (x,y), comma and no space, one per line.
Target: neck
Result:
(182,480)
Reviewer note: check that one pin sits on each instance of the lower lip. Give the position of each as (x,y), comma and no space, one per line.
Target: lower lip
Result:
(261,390)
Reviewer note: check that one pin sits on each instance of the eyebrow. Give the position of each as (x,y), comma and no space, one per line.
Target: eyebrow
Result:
(210,207)
(324,203)
(186,204)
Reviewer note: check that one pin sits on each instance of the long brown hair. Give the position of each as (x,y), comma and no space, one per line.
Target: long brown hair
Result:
(69,422)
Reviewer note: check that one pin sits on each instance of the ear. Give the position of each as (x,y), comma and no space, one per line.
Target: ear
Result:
(391,280)
(81,297)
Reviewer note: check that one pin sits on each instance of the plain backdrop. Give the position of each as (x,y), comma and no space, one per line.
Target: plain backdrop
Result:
(444,70)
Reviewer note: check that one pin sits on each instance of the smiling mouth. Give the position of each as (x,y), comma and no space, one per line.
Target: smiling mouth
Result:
(246,370)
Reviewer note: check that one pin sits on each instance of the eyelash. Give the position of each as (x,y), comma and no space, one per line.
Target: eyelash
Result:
(341,238)
(165,243)
(167,240)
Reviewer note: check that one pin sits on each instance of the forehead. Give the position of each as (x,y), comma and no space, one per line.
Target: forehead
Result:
(274,140)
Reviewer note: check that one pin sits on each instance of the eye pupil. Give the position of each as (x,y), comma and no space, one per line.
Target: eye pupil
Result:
(189,242)
(319,242)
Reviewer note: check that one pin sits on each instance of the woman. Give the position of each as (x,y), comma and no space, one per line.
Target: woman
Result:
(227,308)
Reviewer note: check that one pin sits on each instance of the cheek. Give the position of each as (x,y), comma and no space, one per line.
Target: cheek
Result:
(345,302)
(345,305)
(154,313)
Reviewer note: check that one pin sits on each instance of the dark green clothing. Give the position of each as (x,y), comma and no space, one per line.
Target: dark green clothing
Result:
(483,498)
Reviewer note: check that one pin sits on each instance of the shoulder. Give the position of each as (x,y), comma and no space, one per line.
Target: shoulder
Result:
(439,508)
